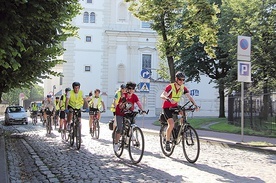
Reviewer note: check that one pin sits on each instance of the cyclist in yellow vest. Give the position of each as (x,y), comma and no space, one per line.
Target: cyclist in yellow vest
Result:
(96,103)
(119,93)
(171,96)
(57,108)
(34,109)
(62,121)
(74,100)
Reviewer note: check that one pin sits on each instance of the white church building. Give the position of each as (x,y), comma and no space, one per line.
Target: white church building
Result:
(113,47)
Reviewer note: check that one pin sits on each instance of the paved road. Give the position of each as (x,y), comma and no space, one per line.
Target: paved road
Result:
(34,156)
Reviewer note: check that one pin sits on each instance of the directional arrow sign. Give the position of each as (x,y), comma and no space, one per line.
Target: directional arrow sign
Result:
(145,73)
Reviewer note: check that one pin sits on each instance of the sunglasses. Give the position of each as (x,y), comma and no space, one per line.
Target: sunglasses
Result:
(181,79)
(130,88)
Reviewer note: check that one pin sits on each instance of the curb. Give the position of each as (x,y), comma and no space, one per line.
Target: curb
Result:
(236,145)
(4,176)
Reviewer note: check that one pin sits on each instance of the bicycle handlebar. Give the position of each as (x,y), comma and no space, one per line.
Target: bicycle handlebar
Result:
(179,108)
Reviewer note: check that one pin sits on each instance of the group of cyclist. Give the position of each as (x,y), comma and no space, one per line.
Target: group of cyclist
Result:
(124,99)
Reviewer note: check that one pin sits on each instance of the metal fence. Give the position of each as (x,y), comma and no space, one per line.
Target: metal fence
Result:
(259,112)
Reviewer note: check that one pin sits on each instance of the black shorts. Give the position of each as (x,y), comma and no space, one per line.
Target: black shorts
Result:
(57,112)
(79,113)
(62,114)
(169,114)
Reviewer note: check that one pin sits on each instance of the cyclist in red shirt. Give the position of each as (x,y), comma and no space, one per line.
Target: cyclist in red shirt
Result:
(172,95)
(126,102)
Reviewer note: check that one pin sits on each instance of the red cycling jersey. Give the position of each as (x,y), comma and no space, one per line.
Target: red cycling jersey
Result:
(130,99)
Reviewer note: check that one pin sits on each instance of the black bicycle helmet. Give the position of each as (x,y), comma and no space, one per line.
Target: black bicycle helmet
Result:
(130,85)
(179,75)
(123,86)
(67,90)
(49,96)
(75,84)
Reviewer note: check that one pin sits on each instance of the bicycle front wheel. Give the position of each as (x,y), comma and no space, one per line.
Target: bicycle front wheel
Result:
(190,143)
(49,125)
(71,135)
(78,136)
(97,129)
(136,145)
(162,135)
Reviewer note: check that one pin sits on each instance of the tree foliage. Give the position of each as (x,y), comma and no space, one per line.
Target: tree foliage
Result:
(249,18)
(176,21)
(31,42)
(34,93)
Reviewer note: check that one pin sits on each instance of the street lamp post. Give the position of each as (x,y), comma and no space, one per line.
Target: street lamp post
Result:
(54,87)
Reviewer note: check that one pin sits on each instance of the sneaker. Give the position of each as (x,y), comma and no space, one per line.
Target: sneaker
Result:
(91,130)
(116,147)
(168,147)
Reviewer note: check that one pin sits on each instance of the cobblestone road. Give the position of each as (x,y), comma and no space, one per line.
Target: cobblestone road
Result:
(34,156)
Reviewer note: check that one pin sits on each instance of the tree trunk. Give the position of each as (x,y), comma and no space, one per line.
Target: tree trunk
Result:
(221,101)
(171,68)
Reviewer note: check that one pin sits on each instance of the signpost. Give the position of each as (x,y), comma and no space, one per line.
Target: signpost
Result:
(144,86)
(244,70)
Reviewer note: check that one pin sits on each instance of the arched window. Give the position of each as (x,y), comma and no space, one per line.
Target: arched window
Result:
(122,13)
(85,17)
(92,17)
(121,73)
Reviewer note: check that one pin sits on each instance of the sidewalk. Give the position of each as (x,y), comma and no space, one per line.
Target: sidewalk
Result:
(228,139)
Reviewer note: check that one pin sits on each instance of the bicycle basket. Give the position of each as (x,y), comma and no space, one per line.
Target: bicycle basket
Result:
(111,122)
(162,119)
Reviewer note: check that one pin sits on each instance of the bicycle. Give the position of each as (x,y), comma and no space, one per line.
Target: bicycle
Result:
(34,117)
(75,129)
(48,120)
(131,137)
(55,119)
(182,132)
(96,124)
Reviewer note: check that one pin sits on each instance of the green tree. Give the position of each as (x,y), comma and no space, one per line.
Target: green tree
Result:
(176,21)
(34,93)
(194,60)
(256,19)
(31,39)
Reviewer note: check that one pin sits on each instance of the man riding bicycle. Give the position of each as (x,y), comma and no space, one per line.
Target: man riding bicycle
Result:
(34,110)
(171,96)
(126,102)
(74,100)
(48,105)
(95,104)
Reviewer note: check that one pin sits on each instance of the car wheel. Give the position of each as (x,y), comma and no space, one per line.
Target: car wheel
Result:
(26,123)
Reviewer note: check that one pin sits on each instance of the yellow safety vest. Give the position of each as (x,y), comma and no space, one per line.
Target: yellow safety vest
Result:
(118,93)
(57,105)
(76,101)
(99,103)
(34,108)
(177,96)
(62,107)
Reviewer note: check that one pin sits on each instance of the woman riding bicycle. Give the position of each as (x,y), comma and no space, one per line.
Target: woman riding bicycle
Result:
(125,103)
(95,104)
(171,96)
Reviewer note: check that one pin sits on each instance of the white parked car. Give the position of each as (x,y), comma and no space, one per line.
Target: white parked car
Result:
(15,115)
